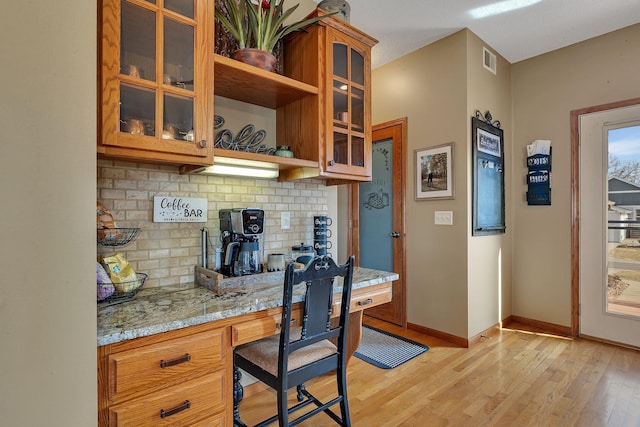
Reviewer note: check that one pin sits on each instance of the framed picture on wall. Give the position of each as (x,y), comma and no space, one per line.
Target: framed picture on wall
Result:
(487,142)
(434,172)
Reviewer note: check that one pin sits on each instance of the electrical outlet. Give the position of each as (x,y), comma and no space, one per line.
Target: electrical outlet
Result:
(285,220)
(443,217)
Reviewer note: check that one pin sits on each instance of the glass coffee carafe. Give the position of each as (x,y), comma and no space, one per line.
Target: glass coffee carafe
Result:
(248,261)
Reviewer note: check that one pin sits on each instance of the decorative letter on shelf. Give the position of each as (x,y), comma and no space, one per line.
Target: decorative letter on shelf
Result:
(248,139)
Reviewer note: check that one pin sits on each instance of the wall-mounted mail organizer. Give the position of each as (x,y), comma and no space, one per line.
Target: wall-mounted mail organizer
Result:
(539,173)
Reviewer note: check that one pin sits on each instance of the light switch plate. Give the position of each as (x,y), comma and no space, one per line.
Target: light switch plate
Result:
(285,220)
(443,217)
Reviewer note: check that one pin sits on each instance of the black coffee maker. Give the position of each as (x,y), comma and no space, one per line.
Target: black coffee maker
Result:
(241,232)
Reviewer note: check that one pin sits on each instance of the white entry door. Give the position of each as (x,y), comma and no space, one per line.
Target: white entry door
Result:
(606,264)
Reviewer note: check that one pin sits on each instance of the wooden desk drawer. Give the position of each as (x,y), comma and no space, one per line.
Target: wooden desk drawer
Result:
(370,298)
(181,405)
(173,360)
(215,421)
(253,330)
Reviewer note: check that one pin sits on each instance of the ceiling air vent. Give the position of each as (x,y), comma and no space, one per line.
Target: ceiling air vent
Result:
(488,60)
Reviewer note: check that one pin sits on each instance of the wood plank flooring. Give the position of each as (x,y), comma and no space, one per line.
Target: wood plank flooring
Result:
(513,377)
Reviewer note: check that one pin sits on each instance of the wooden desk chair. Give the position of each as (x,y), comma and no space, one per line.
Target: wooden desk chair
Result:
(298,355)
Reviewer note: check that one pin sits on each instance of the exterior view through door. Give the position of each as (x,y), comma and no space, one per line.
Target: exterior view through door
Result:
(609,182)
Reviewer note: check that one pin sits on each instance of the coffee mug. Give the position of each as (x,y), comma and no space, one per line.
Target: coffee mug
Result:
(322,245)
(322,220)
(319,233)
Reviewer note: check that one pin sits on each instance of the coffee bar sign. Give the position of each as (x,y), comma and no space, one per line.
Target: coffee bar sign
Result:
(179,209)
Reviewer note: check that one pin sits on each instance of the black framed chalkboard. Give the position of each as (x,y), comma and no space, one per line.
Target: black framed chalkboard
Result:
(488,176)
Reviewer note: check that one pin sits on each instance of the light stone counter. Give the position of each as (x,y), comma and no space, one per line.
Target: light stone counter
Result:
(157,310)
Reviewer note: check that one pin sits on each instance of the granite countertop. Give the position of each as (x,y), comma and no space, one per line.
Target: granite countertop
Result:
(163,309)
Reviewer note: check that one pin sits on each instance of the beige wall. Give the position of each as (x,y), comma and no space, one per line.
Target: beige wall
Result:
(47,236)
(456,283)
(428,87)
(461,284)
(545,90)
(489,257)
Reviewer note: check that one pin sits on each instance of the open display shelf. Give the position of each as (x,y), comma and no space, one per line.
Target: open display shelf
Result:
(236,80)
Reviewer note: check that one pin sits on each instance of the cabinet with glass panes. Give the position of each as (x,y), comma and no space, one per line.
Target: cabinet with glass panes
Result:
(155,74)
(333,128)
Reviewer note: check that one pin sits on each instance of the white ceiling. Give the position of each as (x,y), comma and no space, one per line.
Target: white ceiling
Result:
(402,26)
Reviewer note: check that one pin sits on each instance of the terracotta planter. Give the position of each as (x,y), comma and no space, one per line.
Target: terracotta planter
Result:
(256,57)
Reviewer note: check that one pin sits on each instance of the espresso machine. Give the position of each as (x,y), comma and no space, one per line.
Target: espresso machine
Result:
(241,232)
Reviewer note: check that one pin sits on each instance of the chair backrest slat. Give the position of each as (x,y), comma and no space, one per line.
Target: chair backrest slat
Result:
(319,278)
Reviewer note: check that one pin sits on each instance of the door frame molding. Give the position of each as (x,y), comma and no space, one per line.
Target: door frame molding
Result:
(575,202)
(399,188)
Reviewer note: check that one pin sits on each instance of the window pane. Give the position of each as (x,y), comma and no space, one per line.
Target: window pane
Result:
(340,104)
(340,148)
(184,8)
(178,117)
(357,67)
(138,42)
(357,151)
(357,109)
(178,54)
(340,60)
(623,209)
(137,110)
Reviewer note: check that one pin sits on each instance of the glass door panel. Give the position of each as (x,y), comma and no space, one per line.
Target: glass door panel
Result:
(376,210)
(138,42)
(623,217)
(357,109)
(178,54)
(357,151)
(137,110)
(357,67)
(184,8)
(340,148)
(340,104)
(340,61)
(178,117)
(348,105)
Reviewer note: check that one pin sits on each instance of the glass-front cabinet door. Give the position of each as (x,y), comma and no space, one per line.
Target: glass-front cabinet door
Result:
(349,145)
(157,70)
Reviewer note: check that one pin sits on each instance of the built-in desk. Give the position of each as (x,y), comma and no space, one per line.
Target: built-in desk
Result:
(168,351)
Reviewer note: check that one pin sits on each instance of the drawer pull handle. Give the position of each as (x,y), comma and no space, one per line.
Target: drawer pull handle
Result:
(365,302)
(164,414)
(179,360)
(293,322)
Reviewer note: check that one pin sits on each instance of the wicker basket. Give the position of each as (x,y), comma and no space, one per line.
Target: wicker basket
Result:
(116,236)
(124,290)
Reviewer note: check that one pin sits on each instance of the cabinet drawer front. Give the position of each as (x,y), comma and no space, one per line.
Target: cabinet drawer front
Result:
(370,299)
(253,330)
(215,421)
(181,405)
(172,360)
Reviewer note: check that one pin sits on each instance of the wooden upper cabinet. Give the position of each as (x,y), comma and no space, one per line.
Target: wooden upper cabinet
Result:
(333,128)
(156,77)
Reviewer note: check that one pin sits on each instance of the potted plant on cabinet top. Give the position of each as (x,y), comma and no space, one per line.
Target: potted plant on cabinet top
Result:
(257,25)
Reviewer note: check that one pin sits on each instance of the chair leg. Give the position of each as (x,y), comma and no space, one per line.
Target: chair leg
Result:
(342,391)
(301,389)
(283,409)
(238,395)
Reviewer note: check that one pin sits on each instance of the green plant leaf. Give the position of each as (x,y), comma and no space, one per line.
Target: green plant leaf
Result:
(260,28)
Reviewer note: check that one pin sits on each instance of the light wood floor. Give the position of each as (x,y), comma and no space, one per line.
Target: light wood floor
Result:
(511,378)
